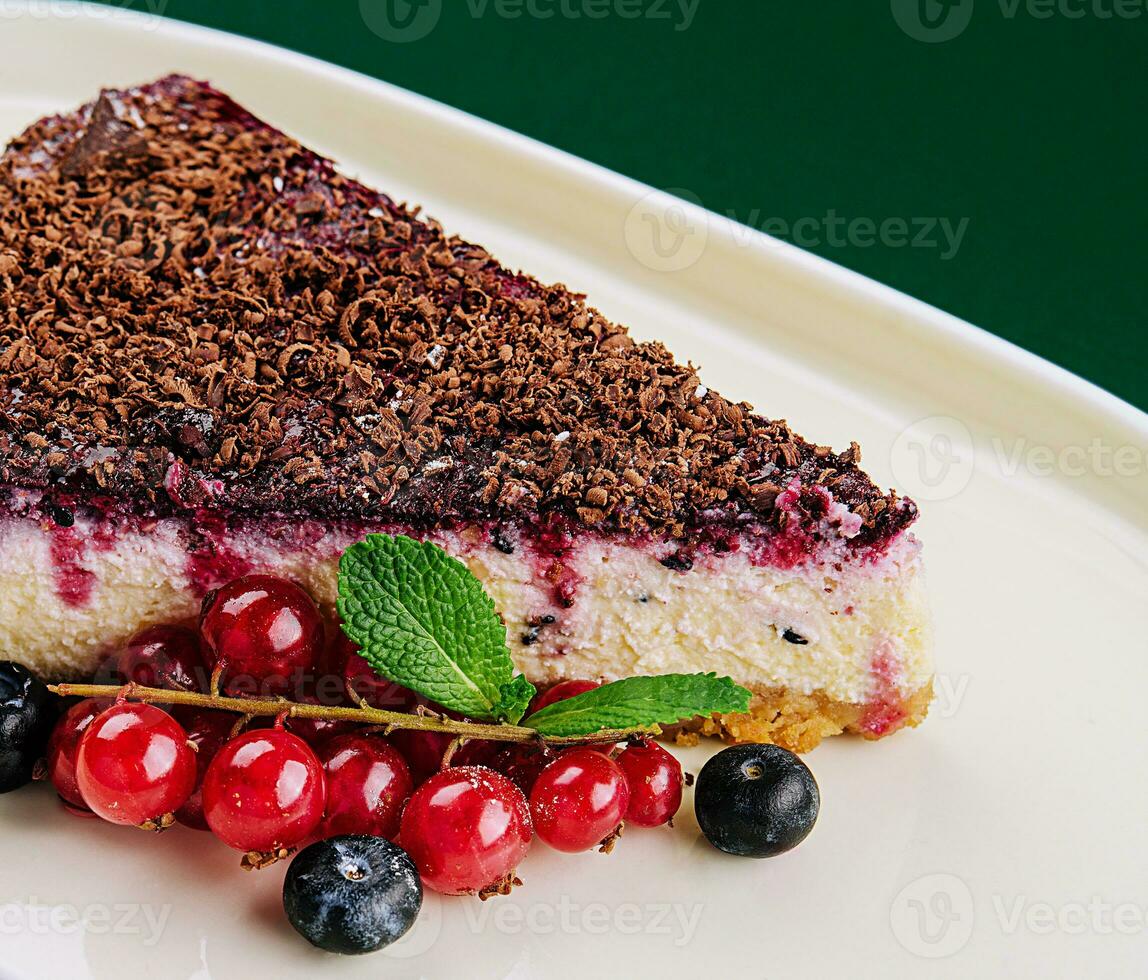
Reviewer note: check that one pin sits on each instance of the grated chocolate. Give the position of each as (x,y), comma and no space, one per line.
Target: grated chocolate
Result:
(200,312)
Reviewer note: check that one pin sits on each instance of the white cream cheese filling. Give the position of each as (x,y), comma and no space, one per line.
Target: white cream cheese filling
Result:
(630,614)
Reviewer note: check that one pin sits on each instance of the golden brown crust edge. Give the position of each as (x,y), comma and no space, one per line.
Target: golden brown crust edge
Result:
(798,722)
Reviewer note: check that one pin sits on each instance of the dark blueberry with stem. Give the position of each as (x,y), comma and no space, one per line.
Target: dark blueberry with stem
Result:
(756,800)
(27,713)
(352,894)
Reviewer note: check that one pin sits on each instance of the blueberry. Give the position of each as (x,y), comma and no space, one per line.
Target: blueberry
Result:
(756,800)
(352,894)
(27,713)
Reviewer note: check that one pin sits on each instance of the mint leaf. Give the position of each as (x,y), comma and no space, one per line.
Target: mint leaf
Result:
(516,698)
(422,619)
(641,701)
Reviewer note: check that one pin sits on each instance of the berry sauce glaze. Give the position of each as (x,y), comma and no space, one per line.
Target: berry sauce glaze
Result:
(886,712)
(68,548)
(213,538)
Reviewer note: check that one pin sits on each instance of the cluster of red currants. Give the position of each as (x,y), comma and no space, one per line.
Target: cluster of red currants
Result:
(466,822)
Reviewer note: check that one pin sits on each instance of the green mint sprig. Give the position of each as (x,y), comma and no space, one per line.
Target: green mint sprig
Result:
(423,620)
(639,701)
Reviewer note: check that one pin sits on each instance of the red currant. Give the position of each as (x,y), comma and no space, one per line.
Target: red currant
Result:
(466,828)
(363,684)
(134,764)
(208,731)
(367,784)
(163,656)
(63,745)
(264,791)
(560,692)
(424,751)
(318,731)
(521,764)
(261,631)
(655,780)
(579,800)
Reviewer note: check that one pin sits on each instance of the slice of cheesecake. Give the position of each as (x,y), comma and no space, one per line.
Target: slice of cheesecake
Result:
(220,356)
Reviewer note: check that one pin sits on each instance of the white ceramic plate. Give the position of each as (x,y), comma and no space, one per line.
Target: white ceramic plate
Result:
(1004,837)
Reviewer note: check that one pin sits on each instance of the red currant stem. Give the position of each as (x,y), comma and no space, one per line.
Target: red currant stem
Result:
(274,707)
(456,743)
(354,696)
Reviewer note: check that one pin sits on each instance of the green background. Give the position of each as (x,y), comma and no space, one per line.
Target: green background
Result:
(1033,127)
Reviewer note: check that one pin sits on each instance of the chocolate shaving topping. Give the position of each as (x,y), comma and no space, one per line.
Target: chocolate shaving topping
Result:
(104,133)
(199,311)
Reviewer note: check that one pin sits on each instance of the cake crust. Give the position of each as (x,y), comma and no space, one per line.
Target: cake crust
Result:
(202,313)
(799,722)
